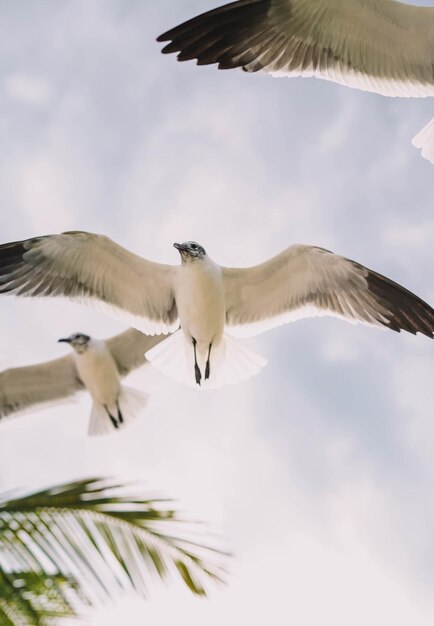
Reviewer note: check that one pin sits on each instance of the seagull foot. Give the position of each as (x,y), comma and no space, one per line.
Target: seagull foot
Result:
(197,371)
(207,366)
(120,416)
(197,374)
(113,420)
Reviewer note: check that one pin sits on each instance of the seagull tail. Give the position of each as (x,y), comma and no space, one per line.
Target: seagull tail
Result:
(170,358)
(131,402)
(424,140)
(233,363)
(230,362)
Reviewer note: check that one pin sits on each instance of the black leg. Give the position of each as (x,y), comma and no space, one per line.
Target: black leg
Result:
(208,368)
(197,372)
(120,416)
(112,419)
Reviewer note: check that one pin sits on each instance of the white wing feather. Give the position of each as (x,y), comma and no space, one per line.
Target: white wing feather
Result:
(128,349)
(424,140)
(38,386)
(305,281)
(93,269)
(382,46)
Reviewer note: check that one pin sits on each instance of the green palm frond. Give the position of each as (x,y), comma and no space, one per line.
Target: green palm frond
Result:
(28,598)
(102,539)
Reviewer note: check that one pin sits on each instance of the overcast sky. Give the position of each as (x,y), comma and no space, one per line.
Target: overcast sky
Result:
(320,471)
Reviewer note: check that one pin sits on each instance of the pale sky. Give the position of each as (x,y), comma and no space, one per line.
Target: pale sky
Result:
(320,471)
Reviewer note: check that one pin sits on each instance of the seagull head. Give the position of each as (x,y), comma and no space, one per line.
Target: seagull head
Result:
(190,251)
(78,341)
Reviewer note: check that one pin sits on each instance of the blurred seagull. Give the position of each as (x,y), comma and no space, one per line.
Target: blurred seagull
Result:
(381,46)
(95,365)
(209,302)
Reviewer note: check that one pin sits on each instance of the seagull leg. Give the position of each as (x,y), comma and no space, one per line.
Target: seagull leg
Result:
(112,419)
(120,416)
(197,372)
(207,367)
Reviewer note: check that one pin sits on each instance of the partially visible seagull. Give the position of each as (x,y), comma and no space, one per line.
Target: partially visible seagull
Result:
(382,46)
(209,302)
(94,365)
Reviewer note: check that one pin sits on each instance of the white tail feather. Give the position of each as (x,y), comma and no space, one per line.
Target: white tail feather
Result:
(230,361)
(424,140)
(131,402)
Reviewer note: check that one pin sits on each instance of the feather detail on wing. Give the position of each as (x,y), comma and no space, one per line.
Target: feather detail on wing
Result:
(382,46)
(92,268)
(38,386)
(128,349)
(305,281)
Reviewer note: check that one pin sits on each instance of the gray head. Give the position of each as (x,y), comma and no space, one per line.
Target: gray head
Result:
(78,341)
(190,251)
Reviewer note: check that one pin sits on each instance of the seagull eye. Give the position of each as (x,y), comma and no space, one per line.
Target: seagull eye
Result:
(194,246)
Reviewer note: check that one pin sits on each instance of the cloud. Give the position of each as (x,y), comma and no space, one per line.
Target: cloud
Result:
(28,89)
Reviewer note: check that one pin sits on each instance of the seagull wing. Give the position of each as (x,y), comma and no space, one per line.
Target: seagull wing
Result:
(382,46)
(37,386)
(305,281)
(128,349)
(92,268)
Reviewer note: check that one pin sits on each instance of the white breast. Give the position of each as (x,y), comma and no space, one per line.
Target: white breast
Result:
(98,372)
(200,300)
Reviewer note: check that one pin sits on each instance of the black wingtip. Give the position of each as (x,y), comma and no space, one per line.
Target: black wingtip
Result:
(164,37)
(405,310)
(170,48)
(222,36)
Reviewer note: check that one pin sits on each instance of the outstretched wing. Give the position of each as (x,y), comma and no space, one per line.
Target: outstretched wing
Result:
(92,268)
(128,349)
(305,281)
(382,46)
(22,388)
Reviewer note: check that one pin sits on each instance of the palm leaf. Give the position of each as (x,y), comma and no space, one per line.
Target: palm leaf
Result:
(107,538)
(34,599)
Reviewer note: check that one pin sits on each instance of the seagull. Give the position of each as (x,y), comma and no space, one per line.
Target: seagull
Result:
(206,306)
(382,46)
(94,365)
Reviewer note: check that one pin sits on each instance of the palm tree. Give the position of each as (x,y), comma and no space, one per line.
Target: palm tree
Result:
(68,548)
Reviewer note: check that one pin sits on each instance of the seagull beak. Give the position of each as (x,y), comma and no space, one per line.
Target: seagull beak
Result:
(64,341)
(180,247)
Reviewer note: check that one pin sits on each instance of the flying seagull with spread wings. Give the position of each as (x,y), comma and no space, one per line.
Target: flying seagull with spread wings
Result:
(383,46)
(208,304)
(94,365)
